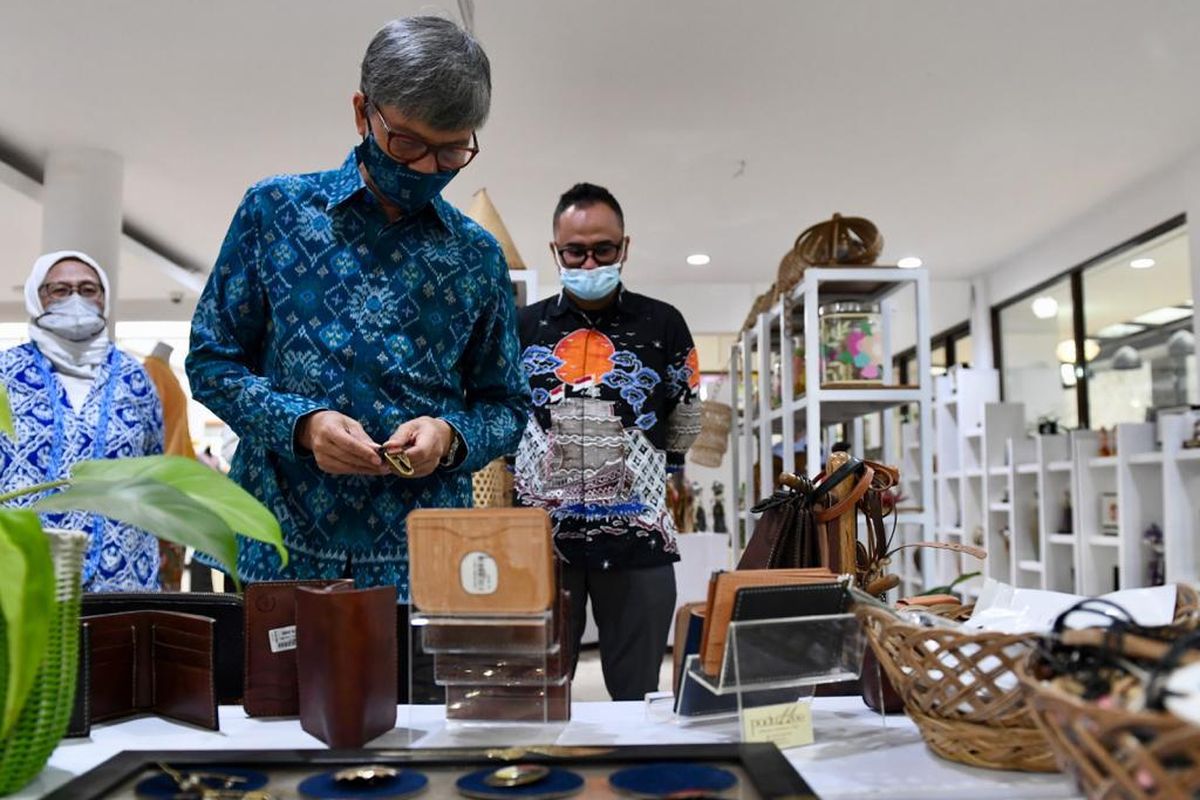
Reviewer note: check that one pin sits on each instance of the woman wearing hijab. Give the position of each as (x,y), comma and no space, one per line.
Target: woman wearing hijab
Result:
(74,397)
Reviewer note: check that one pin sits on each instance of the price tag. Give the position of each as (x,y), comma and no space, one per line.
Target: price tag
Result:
(282,638)
(785,724)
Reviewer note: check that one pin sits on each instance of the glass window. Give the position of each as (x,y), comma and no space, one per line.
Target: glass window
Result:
(962,350)
(1038,347)
(1138,313)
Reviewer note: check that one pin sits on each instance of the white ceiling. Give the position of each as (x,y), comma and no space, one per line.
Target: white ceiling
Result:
(965,130)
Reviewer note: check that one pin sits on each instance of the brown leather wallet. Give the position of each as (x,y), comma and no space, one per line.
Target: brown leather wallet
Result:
(157,662)
(722,590)
(270,646)
(346,663)
(485,560)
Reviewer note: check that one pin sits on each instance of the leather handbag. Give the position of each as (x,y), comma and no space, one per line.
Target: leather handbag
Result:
(270,646)
(156,662)
(346,662)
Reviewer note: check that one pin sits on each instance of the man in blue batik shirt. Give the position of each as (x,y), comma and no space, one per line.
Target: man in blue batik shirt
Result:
(356,307)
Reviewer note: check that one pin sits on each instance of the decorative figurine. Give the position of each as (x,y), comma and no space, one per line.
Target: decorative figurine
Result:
(1047,426)
(1156,570)
(1066,523)
(700,522)
(1105,447)
(1194,442)
(718,509)
(1110,516)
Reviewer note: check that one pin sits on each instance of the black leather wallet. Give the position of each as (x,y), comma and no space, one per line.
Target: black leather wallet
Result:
(785,656)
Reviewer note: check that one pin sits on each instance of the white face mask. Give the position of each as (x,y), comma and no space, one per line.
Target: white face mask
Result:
(74,319)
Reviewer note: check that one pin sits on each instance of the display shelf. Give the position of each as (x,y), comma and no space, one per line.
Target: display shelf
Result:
(1062,538)
(997,472)
(1060,466)
(1000,507)
(1031,566)
(974,434)
(1099,462)
(1151,459)
(1191,455)
(1028,469)
(955,532)
(1104,540)
(973,473)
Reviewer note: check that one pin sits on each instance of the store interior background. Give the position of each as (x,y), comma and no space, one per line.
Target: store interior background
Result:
(1003,142)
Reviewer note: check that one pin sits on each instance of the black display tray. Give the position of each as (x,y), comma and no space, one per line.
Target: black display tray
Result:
(770,775)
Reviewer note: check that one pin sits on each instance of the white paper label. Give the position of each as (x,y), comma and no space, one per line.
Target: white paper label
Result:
(479,573)
(282,638)
(785,724)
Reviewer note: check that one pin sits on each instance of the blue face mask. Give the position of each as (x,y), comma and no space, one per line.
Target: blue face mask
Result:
(591,284)
(403,187)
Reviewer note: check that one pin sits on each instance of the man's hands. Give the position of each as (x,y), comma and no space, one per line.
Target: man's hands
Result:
(339,444)
(342,447)
(425,441)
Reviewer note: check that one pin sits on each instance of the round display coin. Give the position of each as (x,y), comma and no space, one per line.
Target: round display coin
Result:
(164,786)
(327,786)
(557,783)
(669,779)
(517,775)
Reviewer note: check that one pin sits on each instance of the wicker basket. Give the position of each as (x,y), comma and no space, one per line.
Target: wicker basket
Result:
(1115,753)
(492,486)
(715,421)
(962,690)
(47,712)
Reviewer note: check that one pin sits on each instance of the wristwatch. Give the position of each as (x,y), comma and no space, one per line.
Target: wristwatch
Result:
(452,451)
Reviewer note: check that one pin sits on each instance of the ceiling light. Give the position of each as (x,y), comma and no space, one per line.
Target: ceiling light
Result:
(1163,316)
(1045,307)
(1065,352)
(1118,330)
(698,259)
(909,262)
(1126,357)
(1142,263)
(1181,343)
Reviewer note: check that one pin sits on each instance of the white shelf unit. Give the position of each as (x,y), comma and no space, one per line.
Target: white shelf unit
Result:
(961,396)
(1181,494)
(761,425)
(1006,495)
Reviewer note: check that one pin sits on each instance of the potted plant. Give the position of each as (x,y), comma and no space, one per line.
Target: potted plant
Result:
(175,498)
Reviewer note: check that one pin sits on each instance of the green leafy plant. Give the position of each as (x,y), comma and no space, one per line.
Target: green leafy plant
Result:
(177,499)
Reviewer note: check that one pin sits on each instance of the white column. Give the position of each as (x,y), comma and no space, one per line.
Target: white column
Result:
(81,208)
(981,325)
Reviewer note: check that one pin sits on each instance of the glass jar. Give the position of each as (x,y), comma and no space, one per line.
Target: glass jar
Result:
(851,343)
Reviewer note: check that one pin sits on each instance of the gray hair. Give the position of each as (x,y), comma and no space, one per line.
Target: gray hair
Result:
(429,69)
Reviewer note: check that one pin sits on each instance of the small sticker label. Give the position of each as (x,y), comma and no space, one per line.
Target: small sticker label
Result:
(282,638)
(785,724)
(479,573)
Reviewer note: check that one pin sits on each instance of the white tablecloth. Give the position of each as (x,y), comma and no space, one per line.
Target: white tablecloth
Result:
(854,755)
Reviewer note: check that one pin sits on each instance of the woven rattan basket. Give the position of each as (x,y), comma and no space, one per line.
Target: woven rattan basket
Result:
(962,691)
(47,712)
(492,486)
(1114,753)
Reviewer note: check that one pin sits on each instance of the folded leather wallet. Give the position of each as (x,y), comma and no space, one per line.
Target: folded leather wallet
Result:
(346,662)
(270,646)
(156,662)
(224,608)
(791,656)
(481,561)
(722,589)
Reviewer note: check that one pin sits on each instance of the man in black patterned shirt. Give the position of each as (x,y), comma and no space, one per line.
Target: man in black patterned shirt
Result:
(614,377)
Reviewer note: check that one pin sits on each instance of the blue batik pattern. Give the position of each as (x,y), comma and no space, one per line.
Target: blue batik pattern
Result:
(316,302)
(122,417)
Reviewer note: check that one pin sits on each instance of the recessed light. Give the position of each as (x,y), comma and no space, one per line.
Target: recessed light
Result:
(1163,316)
(698,259)
(1045,307)
(1142,263)
(909,262)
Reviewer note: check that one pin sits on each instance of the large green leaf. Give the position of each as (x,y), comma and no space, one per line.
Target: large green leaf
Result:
(156,507)
(27,603)
(6,420)
(240,509)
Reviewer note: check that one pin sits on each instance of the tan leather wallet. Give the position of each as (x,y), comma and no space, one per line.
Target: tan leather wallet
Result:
(484,560)
(722,591)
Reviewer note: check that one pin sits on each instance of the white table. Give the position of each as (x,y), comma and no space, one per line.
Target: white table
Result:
(700,555)
(853,757)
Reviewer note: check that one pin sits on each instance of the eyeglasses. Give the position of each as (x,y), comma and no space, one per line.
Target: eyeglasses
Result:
(88,290)
(603,253)
(406,148)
